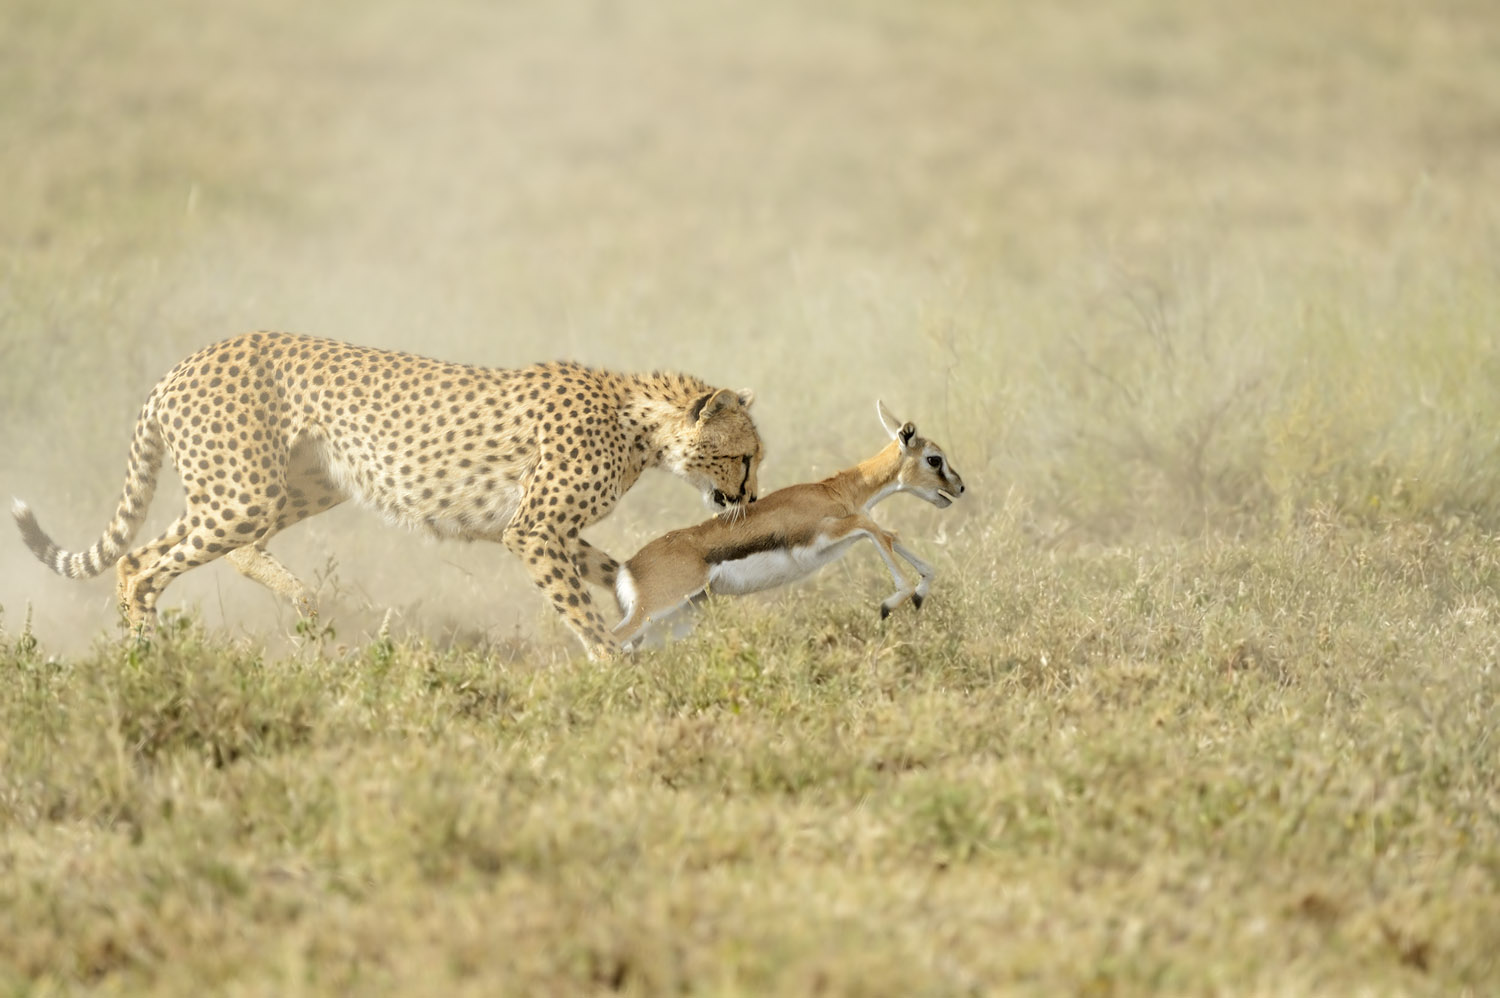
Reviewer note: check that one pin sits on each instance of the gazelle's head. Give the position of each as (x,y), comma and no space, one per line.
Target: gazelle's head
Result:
(924,470)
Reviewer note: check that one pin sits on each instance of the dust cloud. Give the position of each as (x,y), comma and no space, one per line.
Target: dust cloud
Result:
(827,204)
(664,187)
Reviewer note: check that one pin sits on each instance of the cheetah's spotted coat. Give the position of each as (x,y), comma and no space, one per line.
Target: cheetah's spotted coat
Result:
(267,429)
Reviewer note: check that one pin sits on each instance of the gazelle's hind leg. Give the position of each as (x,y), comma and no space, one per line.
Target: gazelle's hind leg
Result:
(674,622)
(672,584)
(631,629)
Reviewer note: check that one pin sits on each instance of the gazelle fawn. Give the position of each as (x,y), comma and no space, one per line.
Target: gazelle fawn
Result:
(789,534)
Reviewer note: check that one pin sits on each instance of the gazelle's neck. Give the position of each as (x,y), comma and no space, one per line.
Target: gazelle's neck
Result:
(871,480)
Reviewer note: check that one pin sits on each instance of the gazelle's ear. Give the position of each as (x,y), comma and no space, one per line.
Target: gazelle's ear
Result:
(907,434)
(891,423)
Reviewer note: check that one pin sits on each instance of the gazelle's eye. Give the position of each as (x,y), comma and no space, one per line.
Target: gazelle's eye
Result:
(935,461)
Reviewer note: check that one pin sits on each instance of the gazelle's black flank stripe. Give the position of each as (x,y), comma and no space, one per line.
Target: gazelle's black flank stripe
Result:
(755,545)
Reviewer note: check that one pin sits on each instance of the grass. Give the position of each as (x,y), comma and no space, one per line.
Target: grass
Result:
(1200,303)
(1201,767)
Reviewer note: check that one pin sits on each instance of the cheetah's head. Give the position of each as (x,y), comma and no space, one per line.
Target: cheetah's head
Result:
(717,448)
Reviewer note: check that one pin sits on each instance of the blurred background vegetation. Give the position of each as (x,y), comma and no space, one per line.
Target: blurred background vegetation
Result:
(1201,299)
(1145,268)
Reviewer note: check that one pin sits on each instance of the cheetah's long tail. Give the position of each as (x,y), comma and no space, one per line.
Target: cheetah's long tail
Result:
(146,451)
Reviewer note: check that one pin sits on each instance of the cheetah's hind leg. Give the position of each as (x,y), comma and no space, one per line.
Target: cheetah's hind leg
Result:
(308,491)
(255,562)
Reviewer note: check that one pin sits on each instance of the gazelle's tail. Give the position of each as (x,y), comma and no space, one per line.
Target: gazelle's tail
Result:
(625,591)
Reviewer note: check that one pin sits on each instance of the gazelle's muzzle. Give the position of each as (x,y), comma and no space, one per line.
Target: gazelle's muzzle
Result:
(952,488)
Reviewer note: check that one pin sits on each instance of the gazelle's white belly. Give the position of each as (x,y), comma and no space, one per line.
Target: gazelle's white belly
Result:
(777,567)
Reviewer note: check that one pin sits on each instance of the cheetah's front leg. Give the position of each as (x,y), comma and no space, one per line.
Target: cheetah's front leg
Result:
(595,566)
(552,563)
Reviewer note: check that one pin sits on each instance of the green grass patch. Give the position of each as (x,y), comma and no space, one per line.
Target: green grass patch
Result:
(1184,766)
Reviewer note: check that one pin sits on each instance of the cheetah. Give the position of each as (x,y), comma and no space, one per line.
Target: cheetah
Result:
(267,429)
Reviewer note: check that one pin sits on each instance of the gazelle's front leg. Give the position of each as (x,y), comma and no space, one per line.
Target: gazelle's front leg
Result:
(885,544)
(904,590)
(925,570)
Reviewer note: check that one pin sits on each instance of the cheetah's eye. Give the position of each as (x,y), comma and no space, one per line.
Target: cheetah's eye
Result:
(935,461)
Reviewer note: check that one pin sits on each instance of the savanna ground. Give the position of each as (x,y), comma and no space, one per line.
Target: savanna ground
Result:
(1201,299)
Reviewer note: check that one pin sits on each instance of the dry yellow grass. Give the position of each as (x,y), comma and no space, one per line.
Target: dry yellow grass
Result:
(1253,767)
(1200,301)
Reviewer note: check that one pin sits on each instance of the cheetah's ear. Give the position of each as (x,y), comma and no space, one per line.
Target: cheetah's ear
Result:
(746,397)
(714,403)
